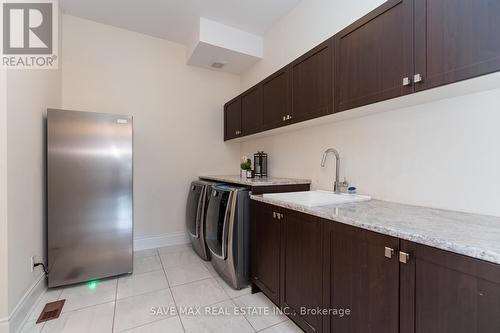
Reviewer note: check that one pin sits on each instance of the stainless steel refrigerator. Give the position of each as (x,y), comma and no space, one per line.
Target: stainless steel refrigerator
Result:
(89,196)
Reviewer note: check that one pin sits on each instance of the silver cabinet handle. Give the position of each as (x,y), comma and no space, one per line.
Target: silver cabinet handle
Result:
(274,215)
(404,257)
(418,78)
(388,252)
(284,118)
(406,81)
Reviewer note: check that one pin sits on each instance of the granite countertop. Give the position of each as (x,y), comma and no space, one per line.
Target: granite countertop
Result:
(473,235)
(257,181)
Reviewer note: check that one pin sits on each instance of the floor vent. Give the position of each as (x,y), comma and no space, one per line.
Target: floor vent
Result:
(51,311)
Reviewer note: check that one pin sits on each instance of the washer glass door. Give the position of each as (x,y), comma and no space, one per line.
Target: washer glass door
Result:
(217,222)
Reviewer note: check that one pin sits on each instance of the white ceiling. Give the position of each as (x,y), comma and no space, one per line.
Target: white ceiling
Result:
(176,20)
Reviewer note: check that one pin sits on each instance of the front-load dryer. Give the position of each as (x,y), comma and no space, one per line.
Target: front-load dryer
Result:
(195,216)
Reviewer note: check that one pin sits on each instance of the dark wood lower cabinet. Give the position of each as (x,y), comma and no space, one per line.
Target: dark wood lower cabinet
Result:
(266,240)
(449,292)
(301,270)
(303,263)
(361,280)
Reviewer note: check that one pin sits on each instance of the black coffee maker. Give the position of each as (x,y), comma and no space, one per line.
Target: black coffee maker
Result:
(260,164)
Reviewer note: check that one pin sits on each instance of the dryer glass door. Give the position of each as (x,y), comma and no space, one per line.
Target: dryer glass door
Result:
(217,222)
(193,209)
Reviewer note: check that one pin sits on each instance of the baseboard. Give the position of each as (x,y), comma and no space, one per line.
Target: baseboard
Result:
(152,242)
(4,325)
(16,319)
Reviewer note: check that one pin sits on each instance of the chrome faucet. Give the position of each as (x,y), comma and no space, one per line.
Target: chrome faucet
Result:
(336,184)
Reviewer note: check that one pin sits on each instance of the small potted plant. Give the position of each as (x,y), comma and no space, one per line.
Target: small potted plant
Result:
(246,164)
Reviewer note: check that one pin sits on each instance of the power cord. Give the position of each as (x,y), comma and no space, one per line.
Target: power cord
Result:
(43,266)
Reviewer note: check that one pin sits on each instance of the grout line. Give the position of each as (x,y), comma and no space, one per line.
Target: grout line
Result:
(142,294)
(265,328)
(188,264)
(146,324)
(163,268)
(229,299)
(131,276)
(86,307)
(146,292)
(171,293)
(114,309)
(183,284)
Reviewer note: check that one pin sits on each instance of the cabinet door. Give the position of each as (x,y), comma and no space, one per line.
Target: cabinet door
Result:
(251,110)
(456,40)
(232,119)
(276,94)
(312,83)
(447,292)
(266,239)
(374,55)
(359,277)
(302,269)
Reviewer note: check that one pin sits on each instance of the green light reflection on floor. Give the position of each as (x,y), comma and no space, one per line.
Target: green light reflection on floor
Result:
(92,284)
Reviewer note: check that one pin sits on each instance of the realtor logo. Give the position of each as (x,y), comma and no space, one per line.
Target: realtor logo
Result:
(29,34)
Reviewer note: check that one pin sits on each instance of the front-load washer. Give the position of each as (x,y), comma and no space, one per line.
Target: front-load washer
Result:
(228,233)
(195,216)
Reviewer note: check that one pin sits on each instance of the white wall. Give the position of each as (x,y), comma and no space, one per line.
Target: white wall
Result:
(442,154)
(177,109)
(24,96)
(29,94)
(3,198)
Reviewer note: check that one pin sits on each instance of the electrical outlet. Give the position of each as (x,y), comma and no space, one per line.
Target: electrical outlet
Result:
(32,263)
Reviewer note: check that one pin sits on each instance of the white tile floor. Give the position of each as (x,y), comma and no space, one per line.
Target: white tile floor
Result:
(172,276)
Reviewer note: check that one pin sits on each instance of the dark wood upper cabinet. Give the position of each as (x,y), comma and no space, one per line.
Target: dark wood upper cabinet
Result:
(301,272)
(265,253)
(447,292)
(276,98)
(401,47)
(374,55)
(312,83)
(455,40)
(232,119)
(359,277)
(251,110)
